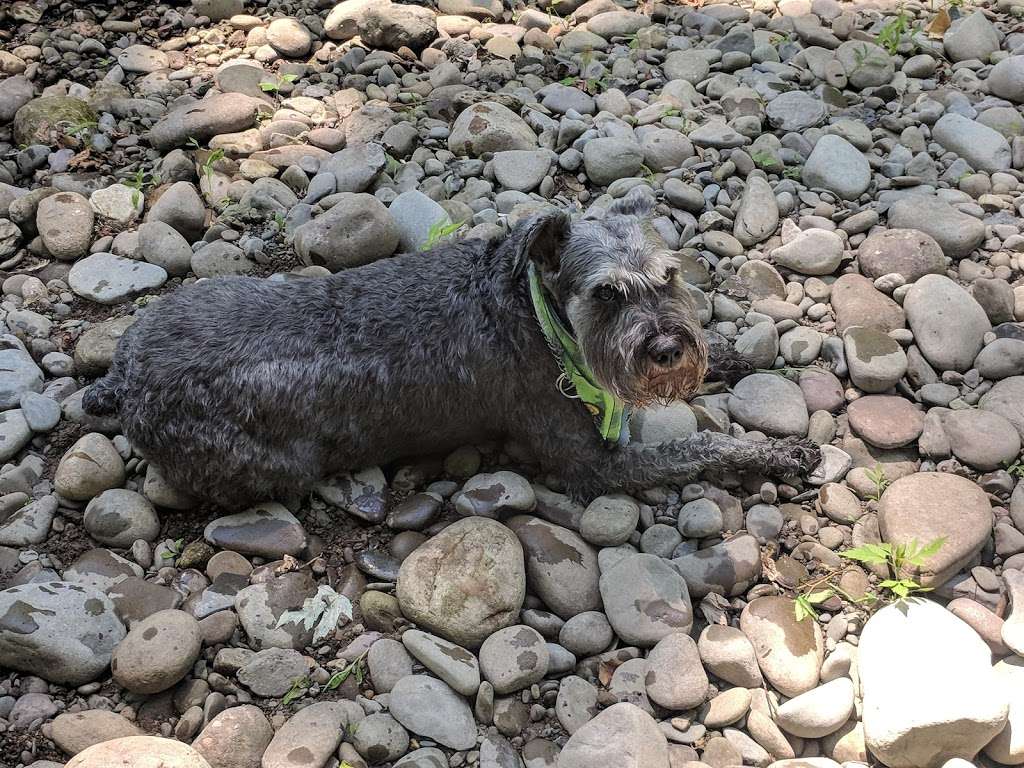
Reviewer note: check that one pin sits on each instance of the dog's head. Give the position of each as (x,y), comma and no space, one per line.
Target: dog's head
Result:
(618,289)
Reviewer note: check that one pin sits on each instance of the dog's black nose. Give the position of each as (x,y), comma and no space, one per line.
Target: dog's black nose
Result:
(666,352)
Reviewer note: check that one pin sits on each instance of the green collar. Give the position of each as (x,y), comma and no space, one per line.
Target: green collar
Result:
(609,413)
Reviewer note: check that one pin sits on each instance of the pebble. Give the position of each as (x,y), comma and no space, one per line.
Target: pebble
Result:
(436,581)
(63,632)
(789,652)
(645,599)
(429,708)
(157,652)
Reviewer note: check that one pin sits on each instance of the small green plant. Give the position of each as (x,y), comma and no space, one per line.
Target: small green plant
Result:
(211,160)
(862,57)
(139,183)
(891,34)
(279,221)
(274,87)
(174,549)
(79,129)
(766,161)
(877,476)
(438,231)
(299,686)
(1016,468)
(795,172)
(648,174)
(213,156)
(355,669)
(895,557)
(804,604)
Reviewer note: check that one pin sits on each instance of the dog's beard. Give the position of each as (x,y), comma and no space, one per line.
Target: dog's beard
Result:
(624,368)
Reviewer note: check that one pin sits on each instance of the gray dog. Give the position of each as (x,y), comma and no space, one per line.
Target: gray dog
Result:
(242,389)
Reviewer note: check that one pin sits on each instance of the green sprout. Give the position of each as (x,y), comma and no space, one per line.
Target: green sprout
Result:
(274,87)
(891,34)
(438,231)
(173,550)
(895,557)
(299,686)
(877,476)
(354,669)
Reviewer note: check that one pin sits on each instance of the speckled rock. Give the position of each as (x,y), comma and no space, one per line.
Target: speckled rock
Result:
(62,632)
(465,583)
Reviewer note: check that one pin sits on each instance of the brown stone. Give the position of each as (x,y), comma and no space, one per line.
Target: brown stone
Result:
(930,505)
(789,652)
(907,252)
(857,302)
(466,583)
(885,421)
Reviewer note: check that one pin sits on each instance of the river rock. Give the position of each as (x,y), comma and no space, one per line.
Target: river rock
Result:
(465,583)
(645,599)
(561,568)
(929,505)
(139,752)
(921,710)
(838,166)
(356,230)
(771,404)
(789,652)
(157,653)
(949,325)
(429,708)
(956,233)
(622,735)
(62,632)
(489,127)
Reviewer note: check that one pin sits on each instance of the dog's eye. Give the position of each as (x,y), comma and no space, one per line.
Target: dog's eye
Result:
(670,274)
(605,293)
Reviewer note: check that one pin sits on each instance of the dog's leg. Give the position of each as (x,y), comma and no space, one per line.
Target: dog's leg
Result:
(685,460)
(724,362)
(590,470)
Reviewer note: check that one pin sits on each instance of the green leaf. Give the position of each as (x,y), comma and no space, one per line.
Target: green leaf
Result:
(928,550)
(438,231)
(869,553)
(803,608)
(341,676)
(299,685)
(338,678)
(819,597)
(268,87)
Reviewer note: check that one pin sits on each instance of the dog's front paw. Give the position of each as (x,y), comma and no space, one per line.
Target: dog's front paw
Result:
(793,456)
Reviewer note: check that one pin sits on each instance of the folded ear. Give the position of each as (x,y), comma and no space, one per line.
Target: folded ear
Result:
(633,203)
(540,239)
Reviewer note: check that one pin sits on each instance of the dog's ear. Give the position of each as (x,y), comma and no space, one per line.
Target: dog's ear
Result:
(633,203)
(540,239)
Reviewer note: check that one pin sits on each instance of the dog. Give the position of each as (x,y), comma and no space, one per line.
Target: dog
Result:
(242,390)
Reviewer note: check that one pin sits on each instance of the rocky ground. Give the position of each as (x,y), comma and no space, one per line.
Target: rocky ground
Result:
(842,182)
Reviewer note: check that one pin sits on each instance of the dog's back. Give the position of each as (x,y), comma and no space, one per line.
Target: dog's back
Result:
(241,389)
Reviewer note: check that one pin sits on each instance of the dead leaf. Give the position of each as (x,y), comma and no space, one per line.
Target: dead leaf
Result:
(287,565)
(938,26)
(605,671)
